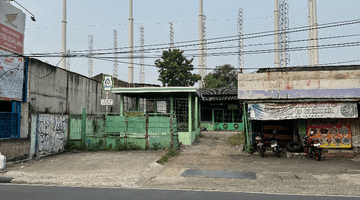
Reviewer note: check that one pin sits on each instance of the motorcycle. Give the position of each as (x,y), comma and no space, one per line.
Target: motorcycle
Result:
(312,147)
(260,145)
(274,144)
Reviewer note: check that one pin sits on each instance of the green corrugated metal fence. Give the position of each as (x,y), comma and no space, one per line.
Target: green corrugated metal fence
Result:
(149,131)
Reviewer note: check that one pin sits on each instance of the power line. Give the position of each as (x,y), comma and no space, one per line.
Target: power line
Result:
(245,68)
(235,37)
(297,29)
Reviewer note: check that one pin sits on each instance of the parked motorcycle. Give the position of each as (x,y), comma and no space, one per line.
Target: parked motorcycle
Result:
(274,144)
(260,145)
(312,147)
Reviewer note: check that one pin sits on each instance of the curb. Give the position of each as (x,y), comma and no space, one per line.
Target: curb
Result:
(5,179)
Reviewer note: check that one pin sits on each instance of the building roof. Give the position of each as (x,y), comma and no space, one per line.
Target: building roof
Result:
(156,91)
(121,83)
(218,94)
(317,68)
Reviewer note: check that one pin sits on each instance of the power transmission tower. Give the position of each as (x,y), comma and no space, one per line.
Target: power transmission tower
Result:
(204,50)
(91,62)
(201,44)
(172,35)
(240,26)
(115,75)
(284,35)
(68,60)
(142,68)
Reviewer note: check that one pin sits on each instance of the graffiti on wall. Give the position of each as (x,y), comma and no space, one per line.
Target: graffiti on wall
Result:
(51,133)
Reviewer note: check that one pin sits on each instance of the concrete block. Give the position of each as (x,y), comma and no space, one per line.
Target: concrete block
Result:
(334,151)
(347,151)
(289,154)
(356,150)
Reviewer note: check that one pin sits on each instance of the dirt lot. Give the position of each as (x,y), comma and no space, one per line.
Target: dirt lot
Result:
(117,169)
(299,175)
(331,176)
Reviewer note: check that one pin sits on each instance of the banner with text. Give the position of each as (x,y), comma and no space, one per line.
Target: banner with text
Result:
(272,111)
(11,76)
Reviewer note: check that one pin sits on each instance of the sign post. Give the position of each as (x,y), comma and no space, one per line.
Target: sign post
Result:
(107,87)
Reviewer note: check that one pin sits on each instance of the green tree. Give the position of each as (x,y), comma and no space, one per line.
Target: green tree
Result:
(175,69)
(224,76)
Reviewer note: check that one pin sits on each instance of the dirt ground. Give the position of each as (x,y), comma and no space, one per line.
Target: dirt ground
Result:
(108,169)
(296,175)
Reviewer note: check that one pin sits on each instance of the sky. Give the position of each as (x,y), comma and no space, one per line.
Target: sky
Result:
(100,18)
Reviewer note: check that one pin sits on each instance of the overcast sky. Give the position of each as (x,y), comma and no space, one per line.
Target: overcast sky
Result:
(100,18)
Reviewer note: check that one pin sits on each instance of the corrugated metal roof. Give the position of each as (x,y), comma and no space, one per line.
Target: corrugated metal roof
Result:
(218,94)
(316,68)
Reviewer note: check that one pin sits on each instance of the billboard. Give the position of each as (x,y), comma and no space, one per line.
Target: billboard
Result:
(11,76)
(12,28)
(331,133)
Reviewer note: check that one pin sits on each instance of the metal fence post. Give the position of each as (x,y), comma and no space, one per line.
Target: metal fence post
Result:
(83,127)
(147,132)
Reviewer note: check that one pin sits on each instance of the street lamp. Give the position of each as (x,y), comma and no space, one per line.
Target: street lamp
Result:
(32,15)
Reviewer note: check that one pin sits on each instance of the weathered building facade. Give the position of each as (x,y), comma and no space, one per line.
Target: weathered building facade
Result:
(299,100)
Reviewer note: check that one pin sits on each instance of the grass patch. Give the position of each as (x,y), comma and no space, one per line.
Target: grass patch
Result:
(71,146)
(216,138)
(237,139)
(199,136)
(126,146)
(171,153)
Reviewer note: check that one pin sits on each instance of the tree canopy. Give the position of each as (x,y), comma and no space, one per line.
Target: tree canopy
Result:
(175,70)
(224,76)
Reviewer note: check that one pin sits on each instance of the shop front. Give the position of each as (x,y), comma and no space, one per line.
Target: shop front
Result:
(329,122)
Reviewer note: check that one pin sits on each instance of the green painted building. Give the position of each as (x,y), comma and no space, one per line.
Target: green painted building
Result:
(220,110)
(178,105)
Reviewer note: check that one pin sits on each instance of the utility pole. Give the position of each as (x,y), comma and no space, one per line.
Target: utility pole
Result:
(91,62)
(115,74)
(240,27)
(142,44)
(131,43)
(63,37)
(172,35)
(311,44)
(276,29)
(315,34)
(201,43)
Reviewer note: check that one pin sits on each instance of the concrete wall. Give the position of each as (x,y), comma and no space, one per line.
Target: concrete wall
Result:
(355,135)
(299,84)
(55,90)
(51,133)
(15,149)
(24,122)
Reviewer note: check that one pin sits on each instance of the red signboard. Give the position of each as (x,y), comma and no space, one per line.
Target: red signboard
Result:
(11,39)
(12,28)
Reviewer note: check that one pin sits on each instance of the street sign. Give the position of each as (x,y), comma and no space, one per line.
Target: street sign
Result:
(107,83)
(106,102)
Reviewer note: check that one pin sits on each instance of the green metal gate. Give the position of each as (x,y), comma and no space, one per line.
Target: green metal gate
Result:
(149,131)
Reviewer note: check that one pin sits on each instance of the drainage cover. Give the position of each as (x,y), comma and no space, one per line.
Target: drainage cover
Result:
(219,174)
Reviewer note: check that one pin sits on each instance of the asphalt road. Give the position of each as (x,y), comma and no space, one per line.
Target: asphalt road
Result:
(26,192)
